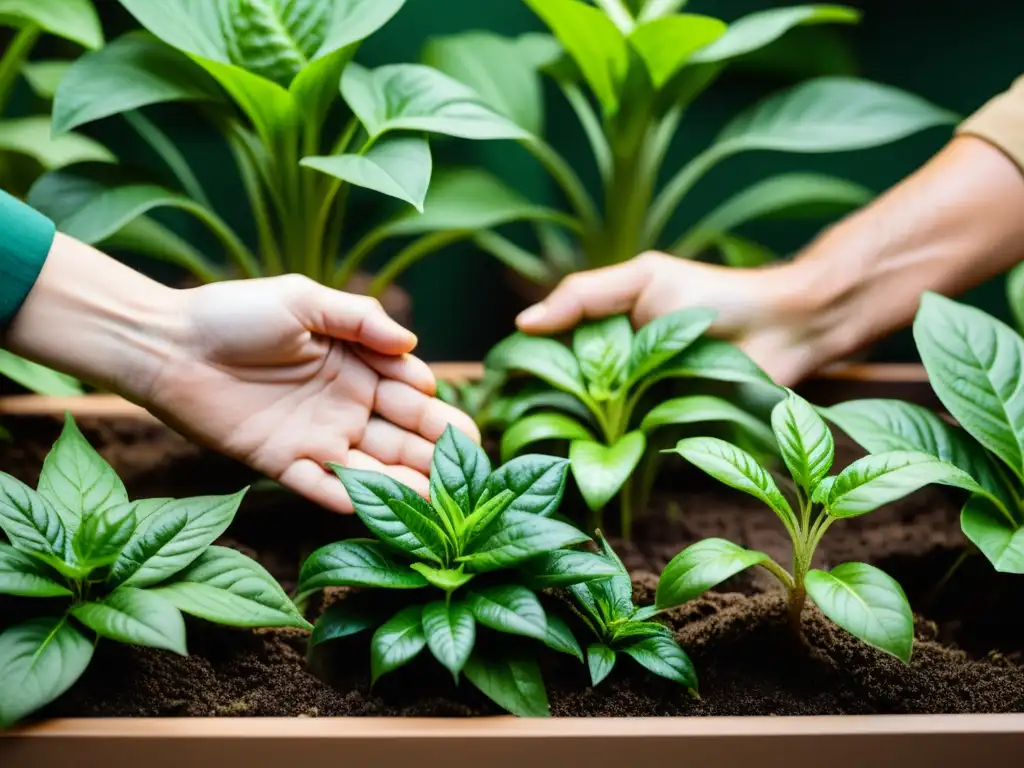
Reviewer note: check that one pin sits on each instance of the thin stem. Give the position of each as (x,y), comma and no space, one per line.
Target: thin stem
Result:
(10,65)
(411,254)
(669,199)
(170,154)
(778,572)
(351,263)
(236,249)
(591,127)
(962,558)
(626,509)
(251,183)
(566,178)
(817,532)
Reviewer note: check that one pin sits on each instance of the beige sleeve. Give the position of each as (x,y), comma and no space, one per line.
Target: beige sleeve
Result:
(1001,123)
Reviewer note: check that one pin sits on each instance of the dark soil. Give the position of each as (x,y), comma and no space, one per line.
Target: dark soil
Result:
(967,658)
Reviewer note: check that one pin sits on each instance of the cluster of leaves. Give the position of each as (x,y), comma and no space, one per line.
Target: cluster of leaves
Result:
(858,597)
(598,396)
(630,70)
(470,560)
(975,364)
(104,566)
(267,75)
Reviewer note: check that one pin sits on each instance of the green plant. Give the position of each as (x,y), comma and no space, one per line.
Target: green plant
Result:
(267,75)
(974,363)
(606,375)
(107,567)
(858,597)
(471,559)
(606,607)
(630,70)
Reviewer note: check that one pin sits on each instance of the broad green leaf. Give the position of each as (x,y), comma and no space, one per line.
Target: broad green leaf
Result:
(342,619)
(873,481)
(519,537)
(560,638)
(514,683)
(461,466)
(879,426)
(600,662)
(665,337)
(602,348)
(716,360)
(396,642)
(544,358)
(663,656)
(595,44)
(737,469)
(539,427)
(399,167)
(696,409)
(412,97)
(44,76)
(450,632)
(757,30)
(804,439)
(31,522)
(482,519)
(496,68)
(831,114)
(37,378)
(537,481)
(31,136)
(619,588)
(39,660)
(565,567)
(436,544)
(975,364)
(274,38)
(24,576)
(132,72)
(76,480)
(999,539)
(666,44)
(355,564)
(448,579)
(74,20)
(224,586)
(135,616)
(867,603)
(172,538)
(509,410)
(700,567)
(370,493)
(103,535)
(511,609)
(601,470)
(636,628)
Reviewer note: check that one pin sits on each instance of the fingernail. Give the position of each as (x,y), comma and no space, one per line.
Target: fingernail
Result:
(532,315)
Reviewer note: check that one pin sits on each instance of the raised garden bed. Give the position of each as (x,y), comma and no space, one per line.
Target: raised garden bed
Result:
(967,671)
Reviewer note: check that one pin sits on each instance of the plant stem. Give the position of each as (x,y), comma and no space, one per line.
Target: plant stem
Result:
(10,65)
(566,178)
(628,197)
(269,249)
(797,598)
(626,509)
(170,154)
(672,195)
(411,254)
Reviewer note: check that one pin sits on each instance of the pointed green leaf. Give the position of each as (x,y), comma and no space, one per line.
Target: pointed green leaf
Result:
(635,628)
(619,588)
(450,632)
(600,661)
(992,532)
(396,642)
(565,567)
(479,523)
(399,167)
(602,348)
(867,603)
(436,545)
(666,44)
(519,537)
(30,136)
(37,378)
(31,522)
(715,360)
(342,619)
(544,358)
(663,656)
(539,427)
(453,519)
(44,76)
(355,564)
(700,567)
(449,579)
(665,337)
(511,609)
(560,638)
(537,481)
(135,616)
(514,683)
(461,466)
(24,576)
(601,470)
(74,20)
(695,409)
(804,439)
(103,535)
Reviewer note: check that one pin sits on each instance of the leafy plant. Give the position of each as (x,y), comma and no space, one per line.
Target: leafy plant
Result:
(107,567)
(606,607)
(974,363)
(858,597)
(603,379)
(267,75)
(471,559)
(630,70)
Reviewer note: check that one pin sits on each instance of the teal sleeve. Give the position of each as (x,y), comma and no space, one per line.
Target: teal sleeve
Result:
(25,239)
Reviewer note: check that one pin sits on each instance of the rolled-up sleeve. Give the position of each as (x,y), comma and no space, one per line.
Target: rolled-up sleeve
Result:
(25,240)
(1001,123)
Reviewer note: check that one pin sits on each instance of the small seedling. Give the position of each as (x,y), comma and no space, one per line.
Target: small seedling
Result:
(607,373)
(114,568)
(606,607)
(471,558)
(858,597)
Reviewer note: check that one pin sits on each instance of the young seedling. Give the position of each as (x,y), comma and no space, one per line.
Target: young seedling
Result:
(107,567)
(607,373)
(606,607)
(858,597)
(974,363)
(471,558)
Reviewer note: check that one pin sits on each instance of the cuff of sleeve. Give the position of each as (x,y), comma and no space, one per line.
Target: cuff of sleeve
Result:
(1001,123)
(26,237)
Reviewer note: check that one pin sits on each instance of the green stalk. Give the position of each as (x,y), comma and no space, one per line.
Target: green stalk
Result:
(236,249)
(591,127)
(626,509)
(627,199)
(269,249)
(10,65)
(669,199)
(563,174)
(411,254)
(354,259)
(170,154)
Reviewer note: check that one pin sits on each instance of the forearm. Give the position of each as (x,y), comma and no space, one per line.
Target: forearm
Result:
(954,224)
(96,319)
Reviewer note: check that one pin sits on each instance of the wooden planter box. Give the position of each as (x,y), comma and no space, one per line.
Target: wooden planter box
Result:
(992,741)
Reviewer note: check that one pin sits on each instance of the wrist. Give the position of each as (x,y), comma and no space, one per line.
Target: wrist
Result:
(98,320)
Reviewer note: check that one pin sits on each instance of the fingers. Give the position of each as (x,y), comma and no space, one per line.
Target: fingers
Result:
(407,368)
(589,295)
(423,415)
(393,445)
(349,317)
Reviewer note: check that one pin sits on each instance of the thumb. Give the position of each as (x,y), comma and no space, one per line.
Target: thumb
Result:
(588,296)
